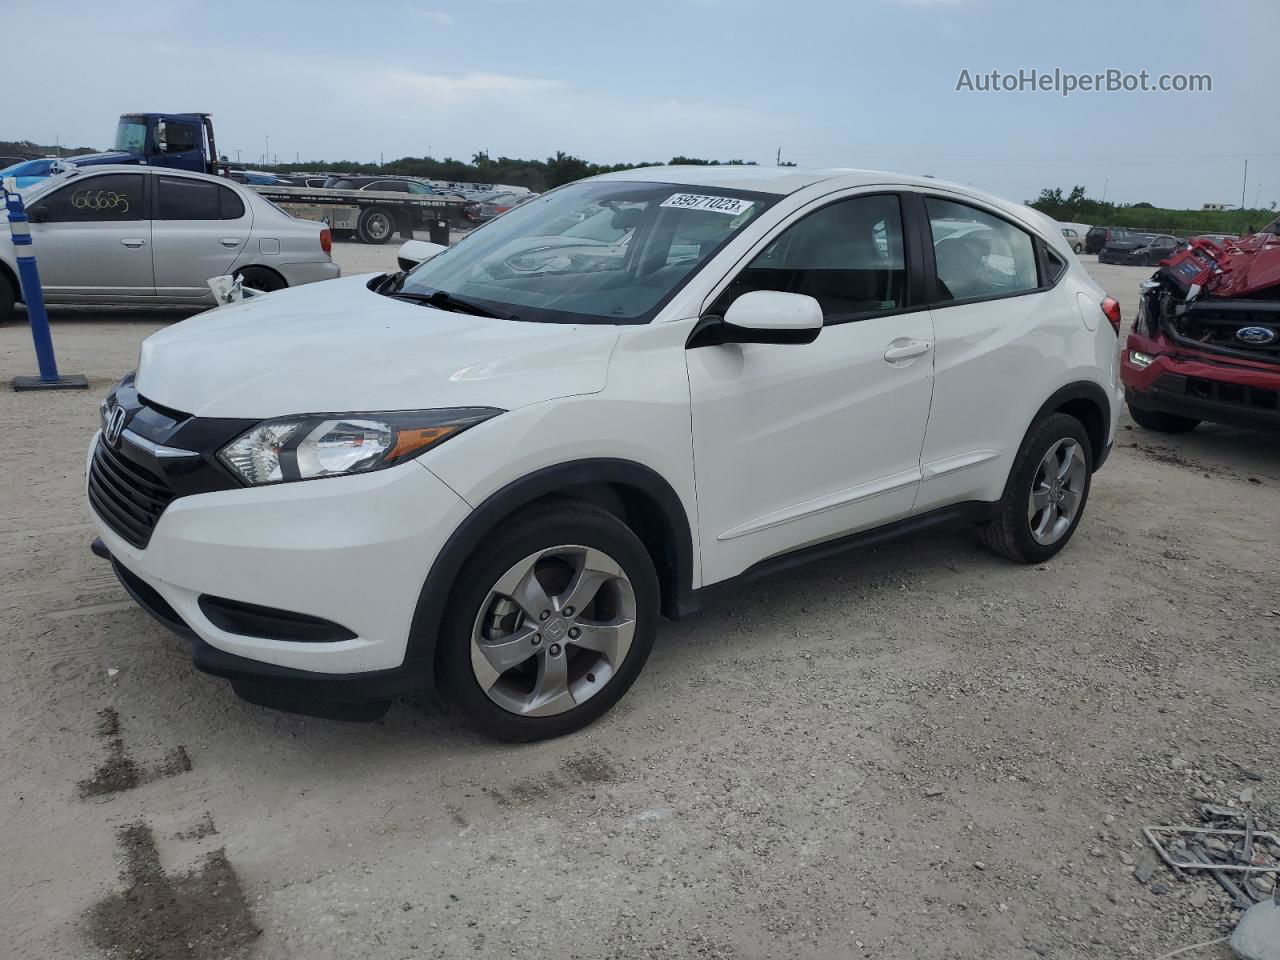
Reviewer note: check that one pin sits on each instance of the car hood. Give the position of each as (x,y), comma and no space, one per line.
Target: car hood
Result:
(338,347)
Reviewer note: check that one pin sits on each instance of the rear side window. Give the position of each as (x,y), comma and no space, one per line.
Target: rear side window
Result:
(848,256)
(185,199)
(110,197)
(392,186)
(977,254)
(179,137)
(1054,264)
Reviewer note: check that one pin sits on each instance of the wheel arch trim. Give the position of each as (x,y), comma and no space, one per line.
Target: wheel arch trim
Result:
(1070,395)
(675,571)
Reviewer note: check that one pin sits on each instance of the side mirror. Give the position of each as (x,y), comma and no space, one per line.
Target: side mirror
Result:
(414,252)
(762,316)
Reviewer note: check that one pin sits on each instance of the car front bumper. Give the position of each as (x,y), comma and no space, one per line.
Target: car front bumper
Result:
(353,551)
(1125,259)
(1218,392)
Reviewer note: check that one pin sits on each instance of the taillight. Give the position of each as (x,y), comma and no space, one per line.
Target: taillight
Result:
(1111,307)
(326,240)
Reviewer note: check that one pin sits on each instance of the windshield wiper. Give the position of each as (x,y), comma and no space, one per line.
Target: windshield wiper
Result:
(443,300)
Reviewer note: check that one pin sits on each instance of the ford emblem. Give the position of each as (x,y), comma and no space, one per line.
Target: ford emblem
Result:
(1256,336)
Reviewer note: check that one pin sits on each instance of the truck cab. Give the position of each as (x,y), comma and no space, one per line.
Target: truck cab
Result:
(183,141)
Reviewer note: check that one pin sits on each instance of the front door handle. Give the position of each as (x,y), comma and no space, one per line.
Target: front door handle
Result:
(230,241)
(901,350)
(133,242)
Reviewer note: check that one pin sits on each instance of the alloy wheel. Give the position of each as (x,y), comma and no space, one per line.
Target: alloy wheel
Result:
(553,630)
(1057,491)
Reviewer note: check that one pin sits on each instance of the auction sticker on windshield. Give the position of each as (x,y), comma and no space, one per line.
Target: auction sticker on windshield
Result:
(696,201)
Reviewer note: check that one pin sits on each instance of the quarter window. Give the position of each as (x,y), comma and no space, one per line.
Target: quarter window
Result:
(182,198)
(110,197)
(848,256)
(977,254)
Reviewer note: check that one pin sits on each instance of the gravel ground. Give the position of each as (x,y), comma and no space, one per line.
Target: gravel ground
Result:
(919,751)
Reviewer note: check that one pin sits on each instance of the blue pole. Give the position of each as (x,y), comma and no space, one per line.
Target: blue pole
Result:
(32,292)
(33,296)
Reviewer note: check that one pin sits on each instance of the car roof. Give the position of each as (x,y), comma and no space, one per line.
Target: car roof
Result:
(777,180)
(96,169)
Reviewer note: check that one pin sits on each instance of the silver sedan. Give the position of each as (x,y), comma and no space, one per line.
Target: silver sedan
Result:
(136,234)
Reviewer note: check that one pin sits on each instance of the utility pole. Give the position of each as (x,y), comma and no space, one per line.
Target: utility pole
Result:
(778,162)
(1105,184)
(1244,186)
(266,154)
(237,156)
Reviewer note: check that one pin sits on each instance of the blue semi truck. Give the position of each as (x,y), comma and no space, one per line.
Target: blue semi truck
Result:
(183,141)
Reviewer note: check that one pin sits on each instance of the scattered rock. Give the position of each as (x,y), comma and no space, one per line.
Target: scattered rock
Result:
(1246,795)
(1199,897)
(933,790)
(1257,935)
(1146,868)
(979,865)
(1160,888)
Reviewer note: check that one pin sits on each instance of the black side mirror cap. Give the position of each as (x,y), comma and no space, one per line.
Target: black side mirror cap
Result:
(712,331)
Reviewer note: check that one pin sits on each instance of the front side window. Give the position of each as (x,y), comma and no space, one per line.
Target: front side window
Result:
(848,256)
(977,254)
(110,197)
(592,252)
(182,198)
(131,136)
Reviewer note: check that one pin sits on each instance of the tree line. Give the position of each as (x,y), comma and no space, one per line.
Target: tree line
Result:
(537,175)
(1076,207)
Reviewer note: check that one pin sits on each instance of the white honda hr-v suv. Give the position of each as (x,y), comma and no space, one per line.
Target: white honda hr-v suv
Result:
(493,472)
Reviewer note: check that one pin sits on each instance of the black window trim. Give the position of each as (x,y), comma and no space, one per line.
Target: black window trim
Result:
(912,253)
(79,182)
(1040,246)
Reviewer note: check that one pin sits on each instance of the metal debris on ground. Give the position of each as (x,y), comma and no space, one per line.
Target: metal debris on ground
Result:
(1244,861)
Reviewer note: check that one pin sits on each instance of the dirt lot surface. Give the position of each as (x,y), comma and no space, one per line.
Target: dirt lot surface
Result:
(921,751)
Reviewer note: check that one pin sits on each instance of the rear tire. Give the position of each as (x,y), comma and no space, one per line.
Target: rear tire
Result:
(574,663)
(1046,494)
(261,278)
(376,225)
(1162,422)
(8,299)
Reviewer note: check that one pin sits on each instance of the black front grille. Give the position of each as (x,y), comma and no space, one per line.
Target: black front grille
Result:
(127,496)
(1238,395)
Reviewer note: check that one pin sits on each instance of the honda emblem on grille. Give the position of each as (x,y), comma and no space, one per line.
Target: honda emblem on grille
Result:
(115,425)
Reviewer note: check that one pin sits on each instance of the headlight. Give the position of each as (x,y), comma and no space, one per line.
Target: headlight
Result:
(333,445)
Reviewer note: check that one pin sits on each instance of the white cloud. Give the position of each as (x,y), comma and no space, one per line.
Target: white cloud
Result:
(434,16)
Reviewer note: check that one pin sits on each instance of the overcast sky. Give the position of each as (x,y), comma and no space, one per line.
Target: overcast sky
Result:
(861,84)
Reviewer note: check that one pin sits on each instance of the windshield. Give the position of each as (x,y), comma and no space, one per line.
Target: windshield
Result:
(593,252)
(131,136)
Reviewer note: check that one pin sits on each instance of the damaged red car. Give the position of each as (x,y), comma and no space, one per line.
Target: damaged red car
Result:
(1206,342)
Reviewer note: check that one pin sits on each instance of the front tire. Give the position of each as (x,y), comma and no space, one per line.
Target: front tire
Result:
(549,623)
(1046,493)
(1162,422)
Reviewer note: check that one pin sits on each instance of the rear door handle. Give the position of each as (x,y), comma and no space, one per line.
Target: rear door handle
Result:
(901,350)
(133,242)
(230,241)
